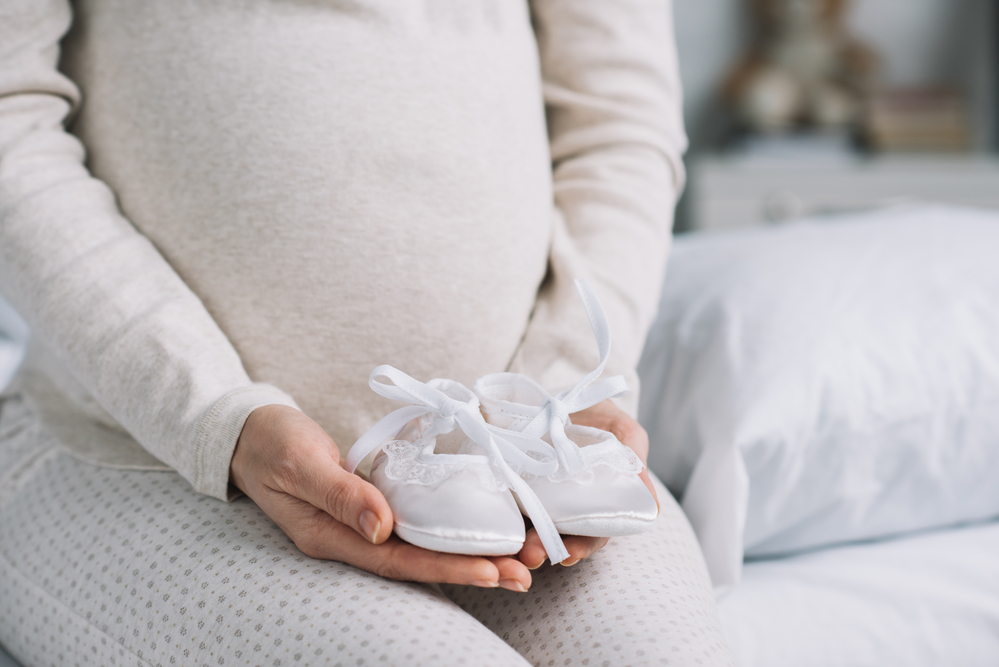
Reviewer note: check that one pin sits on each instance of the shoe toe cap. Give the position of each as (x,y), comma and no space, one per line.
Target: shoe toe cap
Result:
(459,515)
(612,504)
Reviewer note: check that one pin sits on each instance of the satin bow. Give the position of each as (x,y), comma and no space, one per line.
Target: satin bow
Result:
(554,414)
(508,451)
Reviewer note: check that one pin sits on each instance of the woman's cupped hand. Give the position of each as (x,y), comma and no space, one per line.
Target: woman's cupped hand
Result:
(291,468)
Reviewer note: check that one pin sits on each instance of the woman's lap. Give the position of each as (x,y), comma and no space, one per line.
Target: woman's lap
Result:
(114,567)
(641,600)
(103,566)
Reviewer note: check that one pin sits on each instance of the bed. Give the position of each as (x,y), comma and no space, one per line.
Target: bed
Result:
(919,601)
(12,336)
(831,539)
(823,397)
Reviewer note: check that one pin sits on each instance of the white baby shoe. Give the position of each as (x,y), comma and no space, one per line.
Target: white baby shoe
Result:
(461,502)
(595,489)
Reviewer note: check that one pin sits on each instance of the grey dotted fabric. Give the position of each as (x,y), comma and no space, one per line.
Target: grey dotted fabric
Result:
(641,600)
(101,566)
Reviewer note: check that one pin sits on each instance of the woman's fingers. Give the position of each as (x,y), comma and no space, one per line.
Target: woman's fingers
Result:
(513,574)
(347,498)
(396,559)
(283,450)
(579,547)
(533,554)
(644,475)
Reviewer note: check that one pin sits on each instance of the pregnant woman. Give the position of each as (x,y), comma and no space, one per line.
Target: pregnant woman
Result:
(217,218)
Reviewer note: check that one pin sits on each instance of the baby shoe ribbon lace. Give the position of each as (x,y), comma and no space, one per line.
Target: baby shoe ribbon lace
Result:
(554,414)
(510,453)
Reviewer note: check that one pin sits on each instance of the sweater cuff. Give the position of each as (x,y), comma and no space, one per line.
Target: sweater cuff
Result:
(219,430)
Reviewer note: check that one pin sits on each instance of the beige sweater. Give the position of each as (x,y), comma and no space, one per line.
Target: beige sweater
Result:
(277,196)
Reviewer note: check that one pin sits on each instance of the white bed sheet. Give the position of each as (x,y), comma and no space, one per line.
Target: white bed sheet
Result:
(927,599)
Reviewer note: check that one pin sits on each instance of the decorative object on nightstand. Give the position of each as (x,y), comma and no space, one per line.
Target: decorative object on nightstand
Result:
(932,119)
(804,70)
(922,130)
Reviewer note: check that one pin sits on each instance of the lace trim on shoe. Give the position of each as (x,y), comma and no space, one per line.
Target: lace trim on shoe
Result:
(404,465)
(612,454)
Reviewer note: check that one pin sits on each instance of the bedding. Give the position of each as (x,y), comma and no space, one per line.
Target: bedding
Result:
(927,600)
(826,382)
(10,359)
(13,334)
(11,352)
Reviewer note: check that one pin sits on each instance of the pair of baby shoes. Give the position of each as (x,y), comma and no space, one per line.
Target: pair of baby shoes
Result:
(459,467)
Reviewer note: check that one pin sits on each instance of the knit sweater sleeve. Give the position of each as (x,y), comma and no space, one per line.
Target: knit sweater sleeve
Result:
(93,288)
(613,102)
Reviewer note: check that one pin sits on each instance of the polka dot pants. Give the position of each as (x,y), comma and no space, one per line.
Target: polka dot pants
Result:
(101,566)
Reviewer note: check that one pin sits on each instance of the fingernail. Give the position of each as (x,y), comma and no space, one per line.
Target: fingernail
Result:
(536,566)
(512,585)
(370,524)
(569,563)
(482,583)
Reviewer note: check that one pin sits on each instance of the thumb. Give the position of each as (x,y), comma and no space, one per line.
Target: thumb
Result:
(347,498)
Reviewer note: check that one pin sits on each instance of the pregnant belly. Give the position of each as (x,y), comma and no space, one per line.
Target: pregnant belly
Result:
(340,190)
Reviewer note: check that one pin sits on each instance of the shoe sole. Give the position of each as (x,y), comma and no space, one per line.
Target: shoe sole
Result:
(458,545)
(605,526)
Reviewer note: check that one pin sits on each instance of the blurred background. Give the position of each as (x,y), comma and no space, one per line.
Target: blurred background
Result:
(811,107)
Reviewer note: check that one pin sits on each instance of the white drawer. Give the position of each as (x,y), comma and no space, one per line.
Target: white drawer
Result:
(732,193)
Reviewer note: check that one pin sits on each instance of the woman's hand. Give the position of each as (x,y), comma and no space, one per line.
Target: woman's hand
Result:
(291,468)
(608,417)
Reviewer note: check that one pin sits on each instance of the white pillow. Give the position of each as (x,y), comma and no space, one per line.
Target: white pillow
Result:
(830,381)
(13,336)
